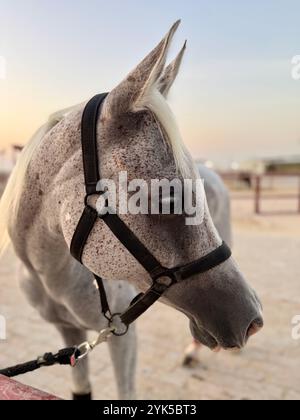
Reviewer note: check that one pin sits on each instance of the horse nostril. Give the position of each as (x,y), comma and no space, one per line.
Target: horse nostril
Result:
(255,327)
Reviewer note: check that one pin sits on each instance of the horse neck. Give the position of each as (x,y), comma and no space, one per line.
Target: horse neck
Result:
(52,172)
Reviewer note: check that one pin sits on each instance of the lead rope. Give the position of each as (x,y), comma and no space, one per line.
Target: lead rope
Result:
(69,356)
(72,355)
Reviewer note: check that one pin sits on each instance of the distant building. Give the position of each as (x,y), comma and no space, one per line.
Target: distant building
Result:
(8,159)
(286,165)
(6,163)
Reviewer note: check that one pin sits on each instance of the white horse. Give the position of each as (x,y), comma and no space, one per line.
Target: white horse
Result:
(42,204)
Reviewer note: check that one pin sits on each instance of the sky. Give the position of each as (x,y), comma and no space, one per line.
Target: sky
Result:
(235,97)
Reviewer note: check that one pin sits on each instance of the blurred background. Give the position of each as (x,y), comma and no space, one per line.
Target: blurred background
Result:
(237,102)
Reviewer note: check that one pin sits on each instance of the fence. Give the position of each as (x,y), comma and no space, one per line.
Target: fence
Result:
(261,188)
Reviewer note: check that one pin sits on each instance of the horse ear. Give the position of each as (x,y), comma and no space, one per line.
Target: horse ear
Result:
(129,94)
(167,79)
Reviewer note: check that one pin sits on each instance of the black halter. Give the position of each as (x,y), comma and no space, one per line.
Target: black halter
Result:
(163,278)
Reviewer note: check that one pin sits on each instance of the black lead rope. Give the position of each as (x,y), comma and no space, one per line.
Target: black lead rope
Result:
(63,357)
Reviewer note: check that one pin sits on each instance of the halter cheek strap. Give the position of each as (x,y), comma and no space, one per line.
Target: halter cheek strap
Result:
(163,278)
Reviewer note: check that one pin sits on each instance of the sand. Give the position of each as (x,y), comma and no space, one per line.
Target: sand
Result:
(268,251)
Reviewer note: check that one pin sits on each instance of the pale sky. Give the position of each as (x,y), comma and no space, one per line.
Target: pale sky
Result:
(234,98)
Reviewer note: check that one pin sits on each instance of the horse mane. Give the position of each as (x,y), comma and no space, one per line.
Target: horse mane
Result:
(12,195)
(153,100)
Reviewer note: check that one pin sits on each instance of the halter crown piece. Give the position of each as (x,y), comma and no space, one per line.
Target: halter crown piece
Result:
(162,278)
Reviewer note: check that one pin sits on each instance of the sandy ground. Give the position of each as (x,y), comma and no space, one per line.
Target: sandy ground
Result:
(268,250)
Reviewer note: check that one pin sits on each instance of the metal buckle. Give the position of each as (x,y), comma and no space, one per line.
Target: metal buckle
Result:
(161,278)
(86,198)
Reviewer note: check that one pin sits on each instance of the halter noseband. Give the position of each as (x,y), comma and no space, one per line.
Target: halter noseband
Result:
(163,278)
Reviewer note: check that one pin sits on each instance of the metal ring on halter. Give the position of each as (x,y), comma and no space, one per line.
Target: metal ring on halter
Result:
(116,333)
(97,194)
(86,199)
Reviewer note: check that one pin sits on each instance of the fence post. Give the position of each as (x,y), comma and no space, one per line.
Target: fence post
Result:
(257,194)
(299,194)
